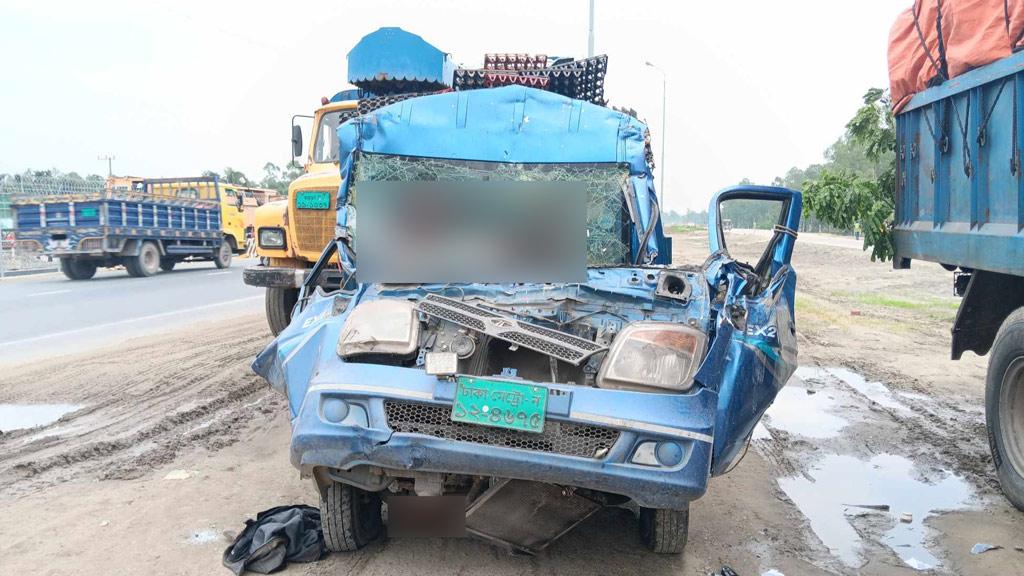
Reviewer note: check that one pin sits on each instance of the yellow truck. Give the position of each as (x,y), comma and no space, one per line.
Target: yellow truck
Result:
(292,233)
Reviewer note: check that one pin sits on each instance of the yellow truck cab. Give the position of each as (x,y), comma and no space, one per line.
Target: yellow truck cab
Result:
(386,66)
(291,233)
(238,205)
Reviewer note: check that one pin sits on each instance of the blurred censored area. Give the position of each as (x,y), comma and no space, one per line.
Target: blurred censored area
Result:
(428,220)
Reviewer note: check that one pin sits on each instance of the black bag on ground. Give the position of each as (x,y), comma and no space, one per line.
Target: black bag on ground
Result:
(277,536)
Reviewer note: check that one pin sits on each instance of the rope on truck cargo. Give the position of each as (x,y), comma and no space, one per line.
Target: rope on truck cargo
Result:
(983,129)
(962,125)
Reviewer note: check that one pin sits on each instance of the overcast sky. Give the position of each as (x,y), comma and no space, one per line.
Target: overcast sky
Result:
(174,87)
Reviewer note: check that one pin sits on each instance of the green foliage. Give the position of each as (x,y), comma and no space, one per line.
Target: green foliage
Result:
(849,193)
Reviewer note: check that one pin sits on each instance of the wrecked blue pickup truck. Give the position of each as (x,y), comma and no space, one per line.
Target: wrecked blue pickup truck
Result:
(512,411)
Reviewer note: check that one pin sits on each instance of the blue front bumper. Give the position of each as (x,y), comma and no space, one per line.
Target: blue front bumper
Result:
(365,437)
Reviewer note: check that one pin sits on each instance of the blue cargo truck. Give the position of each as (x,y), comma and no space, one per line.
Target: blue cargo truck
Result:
(147,225)
(960,203)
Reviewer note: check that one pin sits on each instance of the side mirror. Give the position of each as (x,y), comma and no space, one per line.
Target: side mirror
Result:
(296,141)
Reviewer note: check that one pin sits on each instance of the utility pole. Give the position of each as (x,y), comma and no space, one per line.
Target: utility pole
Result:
(110,163)
(590,34)
(661,186)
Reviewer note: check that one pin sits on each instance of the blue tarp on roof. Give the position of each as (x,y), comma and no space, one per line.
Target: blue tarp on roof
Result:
(390,54)
(508,124)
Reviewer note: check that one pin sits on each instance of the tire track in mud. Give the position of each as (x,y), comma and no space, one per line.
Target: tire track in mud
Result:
(143,404)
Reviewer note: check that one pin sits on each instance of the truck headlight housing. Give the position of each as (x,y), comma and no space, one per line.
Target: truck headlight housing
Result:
(271,237)
(653,357)
(386,326)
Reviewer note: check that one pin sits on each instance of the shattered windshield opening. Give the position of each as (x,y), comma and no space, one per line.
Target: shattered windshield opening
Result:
(607,221)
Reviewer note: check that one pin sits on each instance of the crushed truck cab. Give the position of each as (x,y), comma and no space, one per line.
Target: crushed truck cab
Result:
(639,382)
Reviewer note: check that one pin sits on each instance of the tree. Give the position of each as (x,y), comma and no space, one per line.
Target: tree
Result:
(854,194)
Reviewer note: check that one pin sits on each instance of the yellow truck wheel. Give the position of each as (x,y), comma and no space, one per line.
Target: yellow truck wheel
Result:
(280,302)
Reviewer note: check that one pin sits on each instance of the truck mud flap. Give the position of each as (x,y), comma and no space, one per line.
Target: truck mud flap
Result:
(527,516)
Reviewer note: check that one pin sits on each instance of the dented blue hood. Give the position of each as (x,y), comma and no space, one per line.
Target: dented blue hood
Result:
(512,124)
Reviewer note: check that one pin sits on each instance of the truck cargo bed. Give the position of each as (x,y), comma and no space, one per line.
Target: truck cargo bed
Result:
(959,188)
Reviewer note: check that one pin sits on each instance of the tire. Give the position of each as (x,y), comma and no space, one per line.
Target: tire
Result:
(350,517)
(222,259)
(77,269)
(146,263)
(280,302)
(664,531)
(1004,407)
(167,265)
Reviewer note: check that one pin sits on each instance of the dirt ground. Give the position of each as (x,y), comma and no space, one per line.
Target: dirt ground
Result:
(95,492)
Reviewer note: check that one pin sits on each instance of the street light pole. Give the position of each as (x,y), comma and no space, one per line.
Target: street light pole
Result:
(110,163)
(590,32)
(664,82)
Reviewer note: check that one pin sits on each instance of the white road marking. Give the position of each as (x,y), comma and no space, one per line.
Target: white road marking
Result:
(218,273)
(10,343)
(48,293)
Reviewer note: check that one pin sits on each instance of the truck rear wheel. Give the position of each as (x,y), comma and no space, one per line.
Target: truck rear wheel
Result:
(280,302)
(1004,407)
(222,259)
(76,269)
(664,531)
(350,517)
(146,263)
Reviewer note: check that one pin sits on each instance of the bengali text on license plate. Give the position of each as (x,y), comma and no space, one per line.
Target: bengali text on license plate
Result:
(500,404)
(313,200)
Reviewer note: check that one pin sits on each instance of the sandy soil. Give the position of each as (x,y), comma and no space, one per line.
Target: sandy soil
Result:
(92,487)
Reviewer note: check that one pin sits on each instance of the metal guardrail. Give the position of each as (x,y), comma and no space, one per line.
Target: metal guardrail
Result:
(27,187)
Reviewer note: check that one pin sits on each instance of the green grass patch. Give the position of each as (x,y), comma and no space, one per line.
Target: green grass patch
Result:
(928,304)
(683,229)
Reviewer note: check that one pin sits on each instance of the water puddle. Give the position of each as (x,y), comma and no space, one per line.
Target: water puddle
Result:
(875,391)
(839,491)
(805,412)
(19,416)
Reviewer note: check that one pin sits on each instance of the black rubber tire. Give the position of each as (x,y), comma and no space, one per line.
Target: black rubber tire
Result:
(280,302)
(167,265)
(350,517)
(222,258)
(146,263)
(665,531)
(1004,407)
(76,269)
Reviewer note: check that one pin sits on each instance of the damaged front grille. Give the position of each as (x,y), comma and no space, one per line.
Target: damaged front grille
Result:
(558,437)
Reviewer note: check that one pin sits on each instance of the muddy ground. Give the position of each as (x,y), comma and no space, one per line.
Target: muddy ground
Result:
(96,492)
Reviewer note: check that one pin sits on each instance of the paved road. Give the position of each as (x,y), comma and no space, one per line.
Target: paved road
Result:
(49,314)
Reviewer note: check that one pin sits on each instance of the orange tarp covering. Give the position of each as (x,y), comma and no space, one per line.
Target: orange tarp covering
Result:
(1015,17)
(948,38)
(975,33)
(913,64)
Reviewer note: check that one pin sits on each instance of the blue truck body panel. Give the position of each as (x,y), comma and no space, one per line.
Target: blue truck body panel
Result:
(960,191)
(109,220)
(748,323)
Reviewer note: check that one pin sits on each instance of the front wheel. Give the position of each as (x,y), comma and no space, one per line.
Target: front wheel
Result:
(350,517)
(280,302)
(664,531)
(77,269)
(223,257)
(1004,407)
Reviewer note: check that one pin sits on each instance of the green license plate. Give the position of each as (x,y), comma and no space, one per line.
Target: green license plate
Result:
(500,404)
(88,212)
(313,200)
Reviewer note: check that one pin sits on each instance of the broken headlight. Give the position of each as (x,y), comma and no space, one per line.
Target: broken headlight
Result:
(380,327)
(653,357)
